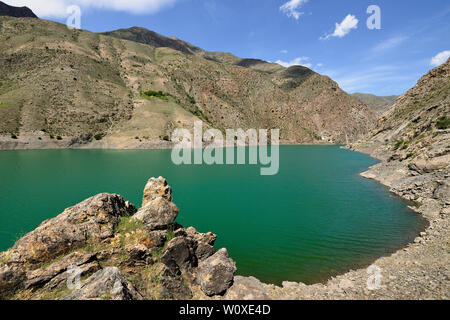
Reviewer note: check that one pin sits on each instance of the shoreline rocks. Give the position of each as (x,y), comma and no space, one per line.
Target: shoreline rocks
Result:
(117,252)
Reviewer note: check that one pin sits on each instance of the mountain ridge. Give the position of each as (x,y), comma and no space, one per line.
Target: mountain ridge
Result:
(17,12)
(380,104)
(65,88)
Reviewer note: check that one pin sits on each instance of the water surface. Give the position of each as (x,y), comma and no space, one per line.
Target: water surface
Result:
(315,219)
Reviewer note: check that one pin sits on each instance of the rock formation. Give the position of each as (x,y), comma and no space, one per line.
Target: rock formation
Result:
(118,253)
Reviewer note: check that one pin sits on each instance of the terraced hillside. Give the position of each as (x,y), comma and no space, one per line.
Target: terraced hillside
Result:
(72,88)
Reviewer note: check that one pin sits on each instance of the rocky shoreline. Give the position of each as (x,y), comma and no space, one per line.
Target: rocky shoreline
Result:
(420,271)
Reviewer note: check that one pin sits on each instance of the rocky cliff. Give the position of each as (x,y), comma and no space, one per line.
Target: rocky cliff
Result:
(413,141)
(64,88)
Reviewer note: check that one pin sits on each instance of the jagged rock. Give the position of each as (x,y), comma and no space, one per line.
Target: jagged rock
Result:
(155,239)
(208,238)
(179,255)
(442,192)
(174,288)
(158,214)
(139,255)
(204,251)
(61,279)
(92,219)
(247,288)
(155,188)
(216,273)
(204,243)
(138,252)
(107,284)
(11,278)
(39,277)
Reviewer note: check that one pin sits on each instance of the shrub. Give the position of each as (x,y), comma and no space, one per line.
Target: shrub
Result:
(398,144)
(98,136)
(191,99)
(156,94)
(13,136)
(58,138)
(443,123)
(166,138)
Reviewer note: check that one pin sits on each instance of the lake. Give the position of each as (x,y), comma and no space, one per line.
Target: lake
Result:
(315,219)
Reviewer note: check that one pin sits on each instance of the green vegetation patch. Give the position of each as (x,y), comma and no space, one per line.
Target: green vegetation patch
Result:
(443,123)
(398,144)
(127,224)
(156,94)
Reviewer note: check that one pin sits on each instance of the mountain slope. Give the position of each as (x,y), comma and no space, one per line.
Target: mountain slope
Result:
(413,141)
(379,104)
(88,89)
(18,12)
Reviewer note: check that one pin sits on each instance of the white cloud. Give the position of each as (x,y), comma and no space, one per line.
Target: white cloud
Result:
(389,44)
(57,8)
(342,29)
(291,8)
(284,51)
(440,58)
(300,61)
(366,80)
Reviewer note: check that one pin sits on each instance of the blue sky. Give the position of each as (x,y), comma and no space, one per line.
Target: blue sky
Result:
(384,62)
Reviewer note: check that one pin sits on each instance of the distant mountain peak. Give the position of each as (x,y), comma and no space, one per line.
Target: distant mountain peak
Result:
(17,12)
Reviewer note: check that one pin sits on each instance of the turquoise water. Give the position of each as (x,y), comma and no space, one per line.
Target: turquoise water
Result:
(315,219)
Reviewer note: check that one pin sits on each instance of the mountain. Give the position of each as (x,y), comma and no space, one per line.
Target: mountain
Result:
(413,141)
(378,104)
(18,12)
(74,88)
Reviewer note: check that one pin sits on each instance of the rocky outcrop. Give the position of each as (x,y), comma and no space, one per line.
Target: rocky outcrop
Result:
(155,188)
(53,275)
(216,273)
(116,252)
(91,220)
(106,284)
(158,214)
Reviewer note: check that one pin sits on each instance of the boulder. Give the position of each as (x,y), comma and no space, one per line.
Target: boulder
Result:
(442,191)
(247,288)
(158,214)
(106,284)
(216,273)
(138,255)
(93,219)
(172,286)
(179,255)
(155,188)
(204,243)
(155,239)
